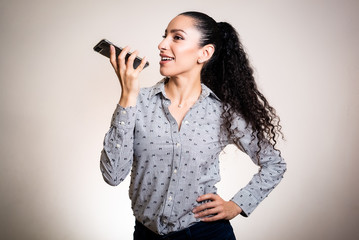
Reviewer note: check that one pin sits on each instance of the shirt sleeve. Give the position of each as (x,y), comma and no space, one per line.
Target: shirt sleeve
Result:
(117,154)
(271,170)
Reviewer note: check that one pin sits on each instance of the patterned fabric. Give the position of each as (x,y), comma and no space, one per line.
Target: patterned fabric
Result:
(172,167)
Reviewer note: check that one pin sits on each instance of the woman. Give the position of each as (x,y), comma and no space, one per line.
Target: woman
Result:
(171,134)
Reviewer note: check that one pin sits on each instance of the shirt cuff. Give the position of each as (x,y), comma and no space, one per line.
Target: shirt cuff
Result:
(124,117)
(246,201)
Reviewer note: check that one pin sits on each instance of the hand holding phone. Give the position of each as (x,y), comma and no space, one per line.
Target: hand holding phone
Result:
(103,47)
(129,78)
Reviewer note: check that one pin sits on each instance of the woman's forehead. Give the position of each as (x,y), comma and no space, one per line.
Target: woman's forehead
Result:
(181,22)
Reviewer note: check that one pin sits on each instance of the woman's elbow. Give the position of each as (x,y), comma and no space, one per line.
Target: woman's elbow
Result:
(110,181)
(109,177)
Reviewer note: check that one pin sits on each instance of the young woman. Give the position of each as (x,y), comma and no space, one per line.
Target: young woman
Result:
(171,134)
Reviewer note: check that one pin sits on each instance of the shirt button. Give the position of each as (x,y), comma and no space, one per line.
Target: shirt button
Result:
(175,171)
(124,112)
(178,144)
(170,198)
(117,145)
(122,123)
(186,122)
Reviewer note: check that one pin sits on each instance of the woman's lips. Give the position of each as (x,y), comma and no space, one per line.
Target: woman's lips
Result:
(166,58)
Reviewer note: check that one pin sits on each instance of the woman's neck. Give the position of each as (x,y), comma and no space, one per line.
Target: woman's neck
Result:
(183,91)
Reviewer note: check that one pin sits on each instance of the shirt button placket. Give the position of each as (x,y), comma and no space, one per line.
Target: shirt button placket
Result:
(174,178)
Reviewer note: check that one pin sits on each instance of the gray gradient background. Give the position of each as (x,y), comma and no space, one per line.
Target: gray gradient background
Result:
(57,97)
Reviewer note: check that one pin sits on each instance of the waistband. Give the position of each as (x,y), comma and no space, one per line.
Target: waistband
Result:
(196,229)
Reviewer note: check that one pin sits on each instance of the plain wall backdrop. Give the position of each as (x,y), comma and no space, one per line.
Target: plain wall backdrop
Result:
(57,97)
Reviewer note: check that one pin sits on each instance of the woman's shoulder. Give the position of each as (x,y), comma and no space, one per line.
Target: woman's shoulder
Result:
(154,89)
(146,93)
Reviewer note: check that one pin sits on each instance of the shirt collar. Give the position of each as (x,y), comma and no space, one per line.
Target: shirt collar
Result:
(159,87)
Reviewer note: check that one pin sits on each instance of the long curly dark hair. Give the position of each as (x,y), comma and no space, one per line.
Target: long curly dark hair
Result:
(229,75)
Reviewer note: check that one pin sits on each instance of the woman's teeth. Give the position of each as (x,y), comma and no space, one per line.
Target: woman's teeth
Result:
(166,59)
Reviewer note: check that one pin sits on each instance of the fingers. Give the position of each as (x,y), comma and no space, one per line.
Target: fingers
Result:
(125,60)
(132,58)
(122,58)
(209,211)
(118,63)
(208,196)
(142,65)
(205,206)
(209,208)
(113,59)
(216,209)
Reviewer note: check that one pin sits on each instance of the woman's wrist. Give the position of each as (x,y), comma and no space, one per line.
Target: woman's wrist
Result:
(128,101)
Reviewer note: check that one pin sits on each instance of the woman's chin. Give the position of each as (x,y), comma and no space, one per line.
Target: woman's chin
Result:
(165,73)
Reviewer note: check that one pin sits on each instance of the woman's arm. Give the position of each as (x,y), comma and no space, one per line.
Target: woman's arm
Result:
(117,154)
(271,171)
(272,168)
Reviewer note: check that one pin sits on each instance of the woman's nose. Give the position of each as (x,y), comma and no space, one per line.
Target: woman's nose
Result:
(162,45)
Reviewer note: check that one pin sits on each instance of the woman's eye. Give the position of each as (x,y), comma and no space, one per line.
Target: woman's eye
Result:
(177,37)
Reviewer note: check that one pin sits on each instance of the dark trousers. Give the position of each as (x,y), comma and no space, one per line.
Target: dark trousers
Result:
(218,230)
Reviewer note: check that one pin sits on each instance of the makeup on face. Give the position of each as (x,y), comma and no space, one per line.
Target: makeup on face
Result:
(179,49)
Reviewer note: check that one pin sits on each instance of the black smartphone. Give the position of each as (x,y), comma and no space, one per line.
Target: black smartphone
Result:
(103,47)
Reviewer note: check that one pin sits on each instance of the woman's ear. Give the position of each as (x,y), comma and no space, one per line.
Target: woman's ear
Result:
(206,53)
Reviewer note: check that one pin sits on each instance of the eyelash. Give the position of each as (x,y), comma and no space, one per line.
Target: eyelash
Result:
(176,37)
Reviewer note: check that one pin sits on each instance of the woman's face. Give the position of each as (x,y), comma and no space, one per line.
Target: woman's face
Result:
(179,49)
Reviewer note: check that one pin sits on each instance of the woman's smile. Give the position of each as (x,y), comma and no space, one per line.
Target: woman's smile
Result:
(165,59)
(179,49)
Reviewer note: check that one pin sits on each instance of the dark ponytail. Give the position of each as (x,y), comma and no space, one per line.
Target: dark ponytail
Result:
(229,75)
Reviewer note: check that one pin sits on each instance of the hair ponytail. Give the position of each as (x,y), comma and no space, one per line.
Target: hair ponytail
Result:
(229,75)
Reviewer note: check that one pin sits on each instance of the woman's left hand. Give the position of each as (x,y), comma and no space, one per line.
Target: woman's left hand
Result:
(217,207)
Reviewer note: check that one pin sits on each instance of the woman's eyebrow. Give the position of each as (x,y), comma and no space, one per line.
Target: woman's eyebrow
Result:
(176,30)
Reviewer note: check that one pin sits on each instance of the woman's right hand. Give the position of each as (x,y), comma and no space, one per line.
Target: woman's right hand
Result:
(127,75)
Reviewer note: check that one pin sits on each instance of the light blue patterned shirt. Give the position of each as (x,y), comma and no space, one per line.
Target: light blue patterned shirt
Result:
(171,168)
